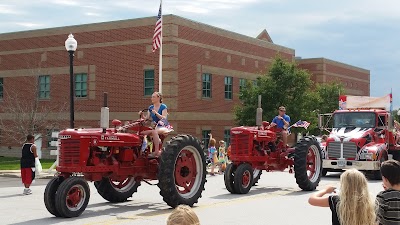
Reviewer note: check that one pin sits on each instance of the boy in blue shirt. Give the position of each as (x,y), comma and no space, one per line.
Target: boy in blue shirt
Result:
(282,122)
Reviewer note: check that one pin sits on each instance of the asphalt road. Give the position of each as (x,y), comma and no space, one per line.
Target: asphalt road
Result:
(276,200)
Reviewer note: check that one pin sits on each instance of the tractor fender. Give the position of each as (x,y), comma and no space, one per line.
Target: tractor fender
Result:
(378,149)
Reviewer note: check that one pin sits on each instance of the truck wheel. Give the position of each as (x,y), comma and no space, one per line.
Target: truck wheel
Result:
(182,171)
(229,178)
(243,178)
(308,163)
(50,193)
(376,174)
(324,172)
(72,197)
(116,191)
(256,176)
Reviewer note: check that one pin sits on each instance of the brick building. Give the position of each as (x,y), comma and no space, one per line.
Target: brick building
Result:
(356,81)
(203,69)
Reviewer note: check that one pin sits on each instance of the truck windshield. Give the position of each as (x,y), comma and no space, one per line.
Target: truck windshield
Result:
(354,119)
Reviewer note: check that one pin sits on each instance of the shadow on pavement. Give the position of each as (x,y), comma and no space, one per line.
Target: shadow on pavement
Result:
(10,196)
(114,209)
(254,191)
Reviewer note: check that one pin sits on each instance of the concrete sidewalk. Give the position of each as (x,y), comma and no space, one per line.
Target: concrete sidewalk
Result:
(17,174)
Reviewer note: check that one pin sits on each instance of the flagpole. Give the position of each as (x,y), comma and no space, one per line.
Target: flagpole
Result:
(160,61)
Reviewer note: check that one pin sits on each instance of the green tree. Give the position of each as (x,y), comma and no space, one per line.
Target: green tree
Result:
(328,96)
(284,84)
(395,115)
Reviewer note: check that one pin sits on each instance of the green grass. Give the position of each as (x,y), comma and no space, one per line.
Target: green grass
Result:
(13,163)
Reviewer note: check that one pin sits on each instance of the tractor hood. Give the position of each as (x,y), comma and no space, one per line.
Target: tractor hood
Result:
(244,130)
(349,133)
(98,136)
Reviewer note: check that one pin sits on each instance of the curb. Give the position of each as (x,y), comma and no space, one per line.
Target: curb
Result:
(15,175)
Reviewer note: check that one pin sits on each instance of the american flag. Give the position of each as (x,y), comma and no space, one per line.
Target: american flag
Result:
(166,124)
(301,123)
(157,32)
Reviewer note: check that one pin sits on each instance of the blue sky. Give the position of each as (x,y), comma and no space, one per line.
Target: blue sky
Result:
(363,33)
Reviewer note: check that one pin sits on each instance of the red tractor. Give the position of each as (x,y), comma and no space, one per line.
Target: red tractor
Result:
(117,163)
(254,149)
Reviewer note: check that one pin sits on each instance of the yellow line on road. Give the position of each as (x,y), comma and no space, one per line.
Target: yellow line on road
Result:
(147,215)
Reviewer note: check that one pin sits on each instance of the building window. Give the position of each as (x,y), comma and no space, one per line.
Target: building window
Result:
(44,87)
(255,82)
(206,85)
(205,137)
(148,82)
(81,85)
(228,87)
(242,83)
(1,88)
(227,137)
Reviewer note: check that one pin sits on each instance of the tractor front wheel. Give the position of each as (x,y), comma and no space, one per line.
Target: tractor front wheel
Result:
(117,191)
(50,193)
(229,178)
(243,178)
(256,176)
(182,171)
(72,197)
(308,163)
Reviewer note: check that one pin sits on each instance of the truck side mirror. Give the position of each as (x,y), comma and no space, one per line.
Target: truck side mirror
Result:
(320,121)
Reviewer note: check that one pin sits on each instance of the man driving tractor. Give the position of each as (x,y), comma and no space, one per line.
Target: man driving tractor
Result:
(282,122)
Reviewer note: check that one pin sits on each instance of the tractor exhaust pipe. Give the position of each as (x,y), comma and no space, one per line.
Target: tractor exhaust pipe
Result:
(105,114)
(259,113)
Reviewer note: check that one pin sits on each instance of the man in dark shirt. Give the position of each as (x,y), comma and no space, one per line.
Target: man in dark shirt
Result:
(29,155)
(388,201)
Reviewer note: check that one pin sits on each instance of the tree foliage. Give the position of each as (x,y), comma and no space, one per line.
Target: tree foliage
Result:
(287,85)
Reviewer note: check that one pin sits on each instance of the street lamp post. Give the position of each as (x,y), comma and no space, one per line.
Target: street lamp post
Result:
(71,44)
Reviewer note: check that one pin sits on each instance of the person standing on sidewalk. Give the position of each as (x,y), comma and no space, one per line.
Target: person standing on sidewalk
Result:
(28,160)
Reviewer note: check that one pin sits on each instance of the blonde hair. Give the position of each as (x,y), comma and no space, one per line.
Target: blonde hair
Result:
(356,206)
(183,215)
(212,142)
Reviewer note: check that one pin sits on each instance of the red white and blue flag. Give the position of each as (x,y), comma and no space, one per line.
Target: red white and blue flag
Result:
(301,123)
(166,124)
(158,31)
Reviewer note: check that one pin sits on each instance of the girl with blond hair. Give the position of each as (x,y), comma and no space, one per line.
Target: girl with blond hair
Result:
(183,215)
(353,205)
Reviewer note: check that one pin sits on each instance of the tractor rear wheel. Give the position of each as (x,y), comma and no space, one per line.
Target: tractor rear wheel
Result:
(72,197)
(308,163)
(182,171)
(256,176)
(229,178)
(50,193)
(243,178)
(116,191)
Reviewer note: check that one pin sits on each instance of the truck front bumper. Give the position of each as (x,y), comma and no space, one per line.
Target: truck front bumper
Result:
(349,164)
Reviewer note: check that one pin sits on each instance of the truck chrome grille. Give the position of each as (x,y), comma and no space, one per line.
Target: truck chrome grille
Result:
(349,149)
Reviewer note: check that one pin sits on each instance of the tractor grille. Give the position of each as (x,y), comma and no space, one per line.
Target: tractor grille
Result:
(69,152)
(349,149)
(240,144)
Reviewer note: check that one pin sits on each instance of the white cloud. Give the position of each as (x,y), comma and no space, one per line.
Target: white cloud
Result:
(65,2)
(92,14)
(29,25)
(9,9)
